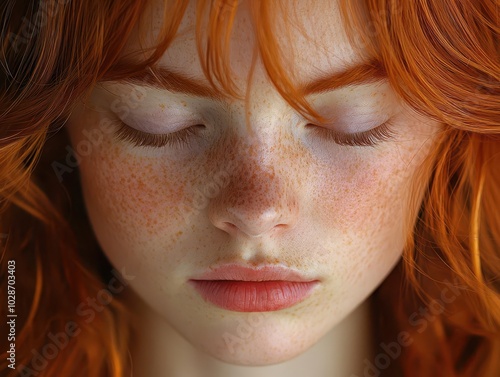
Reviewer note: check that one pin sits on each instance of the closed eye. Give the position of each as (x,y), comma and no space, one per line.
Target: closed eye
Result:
(369,138)
(177,139)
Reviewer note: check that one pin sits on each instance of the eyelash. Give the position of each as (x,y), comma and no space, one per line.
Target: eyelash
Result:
(182,138)
(369,138)
(141,139)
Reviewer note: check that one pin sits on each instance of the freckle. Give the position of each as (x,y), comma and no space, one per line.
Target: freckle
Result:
(162,105)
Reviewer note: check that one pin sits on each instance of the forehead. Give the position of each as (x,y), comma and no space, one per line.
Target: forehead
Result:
(310,34)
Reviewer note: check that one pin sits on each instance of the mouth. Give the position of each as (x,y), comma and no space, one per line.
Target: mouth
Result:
(244,289)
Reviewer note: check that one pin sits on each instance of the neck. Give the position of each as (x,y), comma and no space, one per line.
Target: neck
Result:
(158,350)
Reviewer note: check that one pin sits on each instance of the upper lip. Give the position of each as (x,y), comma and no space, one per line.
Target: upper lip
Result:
(245,273)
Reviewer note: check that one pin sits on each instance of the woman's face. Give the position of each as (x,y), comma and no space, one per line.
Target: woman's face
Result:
(268,190)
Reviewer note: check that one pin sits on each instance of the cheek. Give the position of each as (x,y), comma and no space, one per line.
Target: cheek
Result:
(363,205)
(355,195)
(372,193)
(131,198)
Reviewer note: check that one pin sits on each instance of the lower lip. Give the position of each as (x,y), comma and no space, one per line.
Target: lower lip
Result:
(253,296)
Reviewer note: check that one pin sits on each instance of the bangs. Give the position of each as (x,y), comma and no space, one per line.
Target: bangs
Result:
(214,25)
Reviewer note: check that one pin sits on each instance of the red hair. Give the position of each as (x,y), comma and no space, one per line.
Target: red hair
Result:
(441,57)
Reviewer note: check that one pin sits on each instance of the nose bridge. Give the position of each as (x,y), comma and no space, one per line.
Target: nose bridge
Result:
(263,105)
(259,194)
(256,182)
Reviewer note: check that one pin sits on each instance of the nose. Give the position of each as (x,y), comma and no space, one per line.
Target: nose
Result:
(258,199)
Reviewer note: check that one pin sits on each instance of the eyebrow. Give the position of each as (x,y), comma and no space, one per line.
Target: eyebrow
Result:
(166,79)
(363,73)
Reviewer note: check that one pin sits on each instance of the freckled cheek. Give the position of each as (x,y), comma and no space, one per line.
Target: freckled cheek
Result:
(355,200)
(136,196)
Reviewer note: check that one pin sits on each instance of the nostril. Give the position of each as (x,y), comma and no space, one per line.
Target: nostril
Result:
(232,228)
(230,225)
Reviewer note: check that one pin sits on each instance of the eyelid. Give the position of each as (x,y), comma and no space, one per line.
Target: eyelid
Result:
(145,125)
(144,139)
(369,138)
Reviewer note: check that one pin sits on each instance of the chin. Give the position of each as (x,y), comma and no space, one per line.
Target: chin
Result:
(260,349)
(258,357)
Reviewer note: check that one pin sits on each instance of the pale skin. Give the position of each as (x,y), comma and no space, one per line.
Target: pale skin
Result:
(280,195)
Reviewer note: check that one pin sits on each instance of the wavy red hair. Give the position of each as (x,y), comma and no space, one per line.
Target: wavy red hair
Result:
(441,57)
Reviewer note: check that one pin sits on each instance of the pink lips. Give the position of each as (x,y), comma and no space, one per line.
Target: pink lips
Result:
(245,289)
